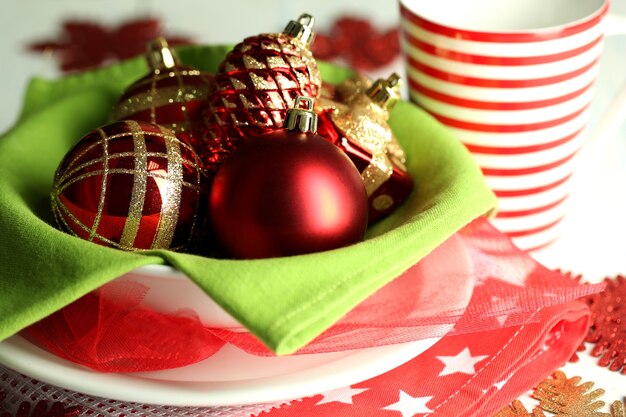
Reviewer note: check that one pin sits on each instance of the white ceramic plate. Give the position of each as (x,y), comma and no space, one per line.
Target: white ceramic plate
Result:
(169,291)
(231,377)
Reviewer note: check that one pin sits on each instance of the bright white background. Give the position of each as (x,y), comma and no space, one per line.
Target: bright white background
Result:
(594,240)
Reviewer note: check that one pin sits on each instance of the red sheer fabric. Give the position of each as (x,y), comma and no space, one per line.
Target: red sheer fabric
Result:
(109,331)
(469,375)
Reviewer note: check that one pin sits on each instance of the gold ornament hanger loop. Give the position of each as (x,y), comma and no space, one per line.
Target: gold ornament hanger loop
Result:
(160,56)
(301,29)
(385,93)
(302,118)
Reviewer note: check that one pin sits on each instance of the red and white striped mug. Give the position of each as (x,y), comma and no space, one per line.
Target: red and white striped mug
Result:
(513,80)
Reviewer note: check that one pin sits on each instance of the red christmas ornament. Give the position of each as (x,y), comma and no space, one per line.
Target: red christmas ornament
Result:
(171,95)
(256,84)
(354,117)
(131,185)
(286,193)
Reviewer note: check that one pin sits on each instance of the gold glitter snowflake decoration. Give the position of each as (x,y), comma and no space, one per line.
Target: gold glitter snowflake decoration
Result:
(565,397)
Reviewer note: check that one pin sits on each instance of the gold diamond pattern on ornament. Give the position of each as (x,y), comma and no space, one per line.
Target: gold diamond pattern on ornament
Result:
(238,84)
(250,63)
(271,46)
(302,78)
(286,82)
(276,62)
(292,51)
(228,103)
(296,61)
(228,67)
(274,101)
(290,48)
(290,71)
(247,103)
(262,83)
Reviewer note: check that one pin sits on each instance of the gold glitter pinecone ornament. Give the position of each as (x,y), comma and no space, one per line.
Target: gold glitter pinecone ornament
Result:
(256,84)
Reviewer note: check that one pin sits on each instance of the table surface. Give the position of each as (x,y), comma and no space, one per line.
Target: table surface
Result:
(593,241)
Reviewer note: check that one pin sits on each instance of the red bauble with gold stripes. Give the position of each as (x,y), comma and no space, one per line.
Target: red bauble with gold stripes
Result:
(256,84)
(171,94)
(131,185)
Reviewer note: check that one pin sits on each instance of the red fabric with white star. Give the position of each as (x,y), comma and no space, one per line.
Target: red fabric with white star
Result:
(464,375)
(472,374)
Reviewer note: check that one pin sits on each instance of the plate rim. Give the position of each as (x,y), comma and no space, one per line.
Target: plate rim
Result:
(22,356)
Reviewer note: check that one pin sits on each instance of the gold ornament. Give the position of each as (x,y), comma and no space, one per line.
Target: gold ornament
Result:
(385,92)
(362,116)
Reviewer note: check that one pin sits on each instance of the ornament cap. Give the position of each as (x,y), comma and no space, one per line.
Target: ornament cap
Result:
(160,56)
(301,29)
(385,93)
(303,119)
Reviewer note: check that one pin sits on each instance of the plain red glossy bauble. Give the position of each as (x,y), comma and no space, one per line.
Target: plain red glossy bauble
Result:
(287,193)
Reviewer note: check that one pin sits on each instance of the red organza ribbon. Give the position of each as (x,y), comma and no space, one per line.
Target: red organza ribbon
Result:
(109,330)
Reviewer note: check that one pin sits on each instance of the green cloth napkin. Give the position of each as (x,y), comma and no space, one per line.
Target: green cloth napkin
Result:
(285,302)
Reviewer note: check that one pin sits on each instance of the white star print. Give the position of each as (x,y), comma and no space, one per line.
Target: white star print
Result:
(499,305)
(409,406)
(464,362)
(504,304)
(500,384)
(502,320)
(341,395)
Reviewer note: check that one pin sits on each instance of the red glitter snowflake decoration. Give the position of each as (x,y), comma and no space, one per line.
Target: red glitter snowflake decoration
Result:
(85,44)
(359,43)
(608,324)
